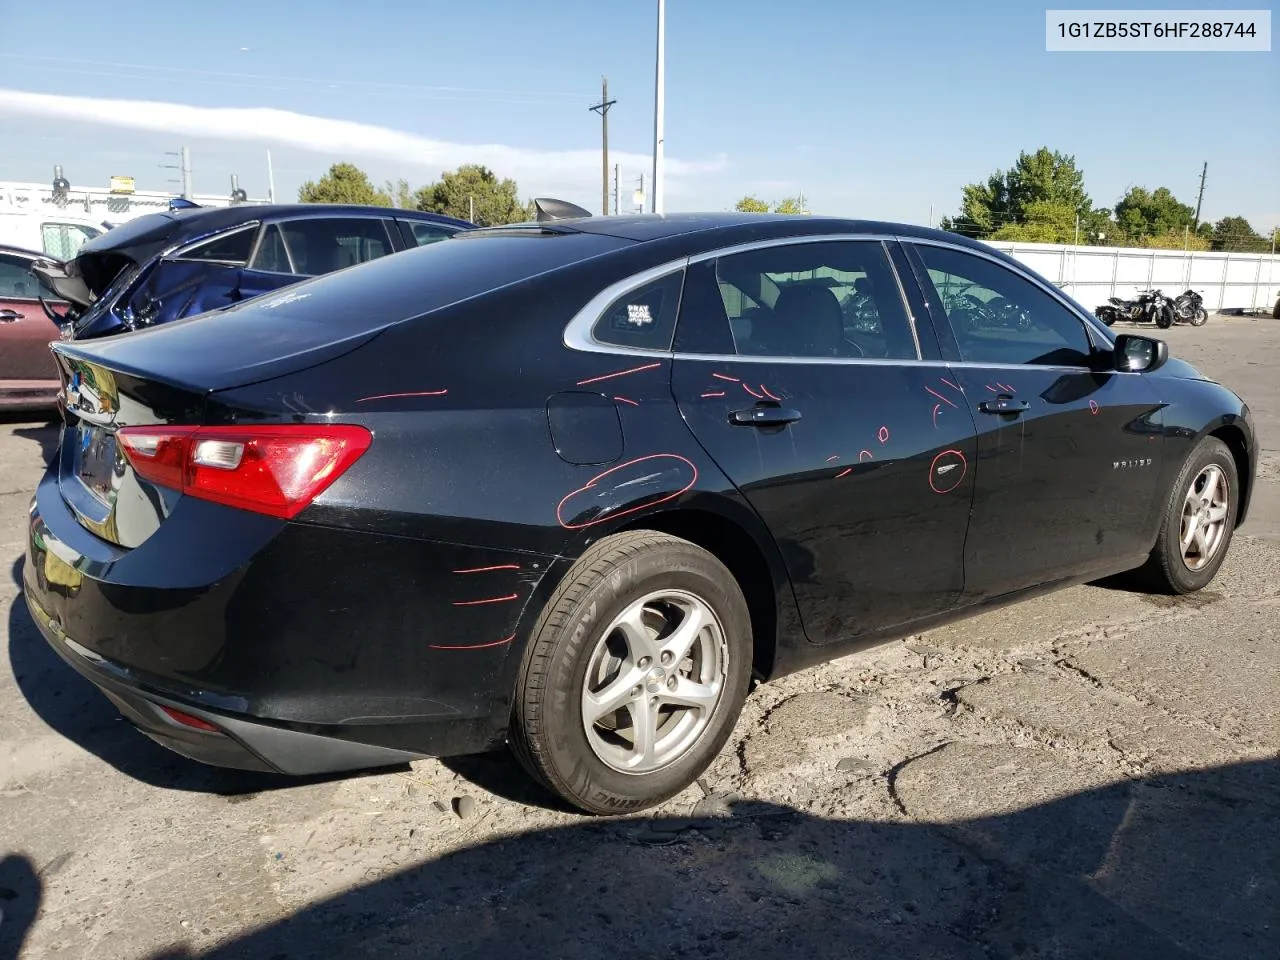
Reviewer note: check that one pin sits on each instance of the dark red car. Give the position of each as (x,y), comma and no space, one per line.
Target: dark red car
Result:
(28,374)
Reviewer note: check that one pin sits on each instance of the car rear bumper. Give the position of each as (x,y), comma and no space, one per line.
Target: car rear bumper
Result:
(311,649)
(241,741)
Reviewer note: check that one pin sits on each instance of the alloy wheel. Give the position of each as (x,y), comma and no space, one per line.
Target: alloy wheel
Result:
(653,681)
(1204,517)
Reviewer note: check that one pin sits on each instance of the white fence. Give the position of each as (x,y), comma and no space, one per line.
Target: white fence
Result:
(1227,281)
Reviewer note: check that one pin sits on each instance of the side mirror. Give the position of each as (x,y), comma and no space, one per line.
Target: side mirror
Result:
(1134,354)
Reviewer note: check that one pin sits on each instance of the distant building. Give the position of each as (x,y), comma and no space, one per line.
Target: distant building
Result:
(109,205)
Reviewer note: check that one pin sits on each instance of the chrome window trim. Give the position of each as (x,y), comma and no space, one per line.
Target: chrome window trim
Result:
(577,333)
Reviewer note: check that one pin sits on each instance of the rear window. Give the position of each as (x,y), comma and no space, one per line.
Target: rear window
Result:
(417,281)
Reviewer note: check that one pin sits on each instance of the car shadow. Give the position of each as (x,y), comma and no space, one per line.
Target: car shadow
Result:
(71,706)
(46,435)
(1163,868)
(20,894)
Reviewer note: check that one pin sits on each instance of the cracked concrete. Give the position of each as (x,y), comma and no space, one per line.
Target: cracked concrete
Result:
(1091,774)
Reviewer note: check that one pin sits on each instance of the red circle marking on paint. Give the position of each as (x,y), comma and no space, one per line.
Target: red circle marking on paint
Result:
(1093,407)
(964,468)
(590,484)
(883,434)
(870,456)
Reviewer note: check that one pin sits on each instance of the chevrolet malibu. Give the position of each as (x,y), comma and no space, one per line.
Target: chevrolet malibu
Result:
(567,486)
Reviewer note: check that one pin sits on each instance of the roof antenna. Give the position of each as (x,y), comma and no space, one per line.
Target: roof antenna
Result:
(551,209)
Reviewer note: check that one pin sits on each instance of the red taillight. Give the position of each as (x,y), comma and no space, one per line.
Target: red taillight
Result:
(277,470)
(187,720)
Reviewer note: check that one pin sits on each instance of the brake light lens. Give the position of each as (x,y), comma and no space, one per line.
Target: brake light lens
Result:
(277,470)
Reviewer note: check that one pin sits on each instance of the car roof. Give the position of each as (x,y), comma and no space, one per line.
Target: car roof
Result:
(711,230)
(191,223)
(205,219)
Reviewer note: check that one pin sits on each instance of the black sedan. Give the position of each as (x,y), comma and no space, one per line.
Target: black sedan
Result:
(568,485)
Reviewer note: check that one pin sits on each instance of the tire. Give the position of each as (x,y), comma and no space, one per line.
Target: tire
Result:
(574,639)
(1164,319)
(1200,317)
(1167,569)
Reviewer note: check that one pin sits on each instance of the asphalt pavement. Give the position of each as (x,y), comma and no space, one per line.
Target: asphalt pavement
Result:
(1092,774)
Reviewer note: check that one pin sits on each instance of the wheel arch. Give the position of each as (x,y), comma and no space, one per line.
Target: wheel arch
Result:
(733,545)
(1238,443)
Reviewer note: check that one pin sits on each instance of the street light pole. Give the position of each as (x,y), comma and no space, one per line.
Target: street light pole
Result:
(659,97)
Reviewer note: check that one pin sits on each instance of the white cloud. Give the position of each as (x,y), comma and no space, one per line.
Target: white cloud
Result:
(537,171)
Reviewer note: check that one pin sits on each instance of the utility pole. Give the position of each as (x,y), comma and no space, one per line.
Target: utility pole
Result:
(602,108)
(1196,225)
(617,187)
(659,107)
(271,181)
(184,166)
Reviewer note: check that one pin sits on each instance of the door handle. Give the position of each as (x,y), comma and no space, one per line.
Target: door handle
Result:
(1004,405)
(8,316)
(764,415)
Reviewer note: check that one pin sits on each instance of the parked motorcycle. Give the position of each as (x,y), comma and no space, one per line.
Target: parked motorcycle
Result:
(1188,307)
(1151,305)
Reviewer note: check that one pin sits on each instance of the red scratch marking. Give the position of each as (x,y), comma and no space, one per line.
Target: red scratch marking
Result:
(768,394)
(870,455)
(619,373)
(470,646)
(723,376)
(1006,386)
(476,603)
(844,473)
(758,396)
(937,408)
(964,468)
(714,393)
(950,384)
(830,459)
(626,400)
(945,400)
(499,566)
(393,396)
(1093,407)
(883,434)
(590,484)
(992,389)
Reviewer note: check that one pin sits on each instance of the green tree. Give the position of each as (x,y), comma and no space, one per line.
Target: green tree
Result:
(1236,233)
(790,205)
(344,183)
(1044,221)
(756,205)
(1142,213)
(400,192)
(496,201)
(1042,192)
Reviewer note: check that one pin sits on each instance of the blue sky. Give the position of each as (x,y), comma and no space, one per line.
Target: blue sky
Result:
(871,109)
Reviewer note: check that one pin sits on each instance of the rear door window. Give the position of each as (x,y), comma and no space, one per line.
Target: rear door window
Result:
(233,247)
(320,245)
(18,283)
